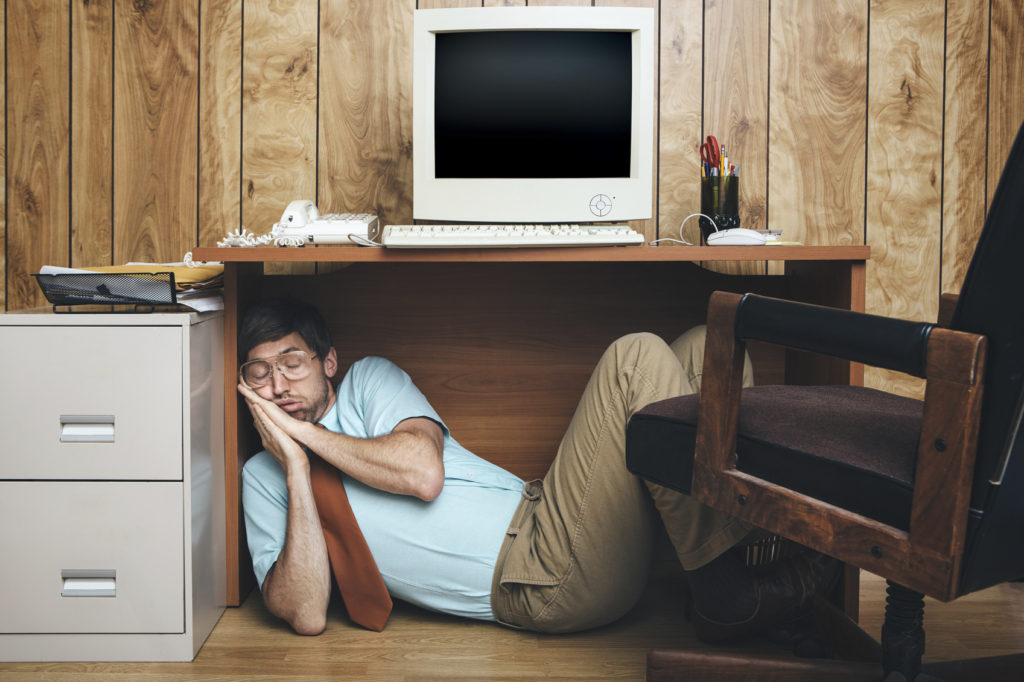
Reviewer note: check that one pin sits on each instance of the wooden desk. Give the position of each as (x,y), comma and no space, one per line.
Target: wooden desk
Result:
(502,341)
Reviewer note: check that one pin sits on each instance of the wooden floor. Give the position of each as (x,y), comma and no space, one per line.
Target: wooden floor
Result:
(249,644)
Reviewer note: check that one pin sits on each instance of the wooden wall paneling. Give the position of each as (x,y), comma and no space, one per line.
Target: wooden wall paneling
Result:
(965,132)
(155,130)
(365,140)
(3,165)
(560,3)
(502,356)
(818,109)
(904,167)
(680,118)
(1006,85)
(92,171)
(279,110)
(736,50)
(445,4)
(220,120)
(38,106)
(649,227)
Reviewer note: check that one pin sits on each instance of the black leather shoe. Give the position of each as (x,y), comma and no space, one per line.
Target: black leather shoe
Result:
(785,590)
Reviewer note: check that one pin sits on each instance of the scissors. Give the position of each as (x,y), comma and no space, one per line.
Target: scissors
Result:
(710,152)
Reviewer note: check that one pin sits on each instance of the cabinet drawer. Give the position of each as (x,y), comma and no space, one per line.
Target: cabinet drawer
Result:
(91,402)
(120,539)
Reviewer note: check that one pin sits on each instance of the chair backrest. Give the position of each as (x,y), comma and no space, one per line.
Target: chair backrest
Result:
(988,305)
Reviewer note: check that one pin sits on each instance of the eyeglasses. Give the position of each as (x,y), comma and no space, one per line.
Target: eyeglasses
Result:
(293,365)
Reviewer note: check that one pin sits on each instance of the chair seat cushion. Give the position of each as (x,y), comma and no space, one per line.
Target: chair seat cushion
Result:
(807,438)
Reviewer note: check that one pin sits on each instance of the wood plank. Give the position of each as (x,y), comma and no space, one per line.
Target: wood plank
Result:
(92,171)
(446,4)
(680,118)
(365,141)
(38,113)
(503,357)
(279,150)
(964,166)
(365,124)
(649,227)
(241,288)
(155,130)
(3,168)
(904,164)
(559,3)
(816,140)
(220,120)
(1006,85)
(736,50)
(248,643)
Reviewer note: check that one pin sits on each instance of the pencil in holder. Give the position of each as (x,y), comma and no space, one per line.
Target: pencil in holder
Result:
(719,200)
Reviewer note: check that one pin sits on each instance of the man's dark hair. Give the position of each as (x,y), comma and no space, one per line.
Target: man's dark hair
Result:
(275,318)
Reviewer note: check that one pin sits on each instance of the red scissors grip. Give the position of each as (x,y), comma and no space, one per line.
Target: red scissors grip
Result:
(710,152)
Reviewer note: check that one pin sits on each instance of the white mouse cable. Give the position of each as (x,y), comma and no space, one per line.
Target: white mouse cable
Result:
(682,240)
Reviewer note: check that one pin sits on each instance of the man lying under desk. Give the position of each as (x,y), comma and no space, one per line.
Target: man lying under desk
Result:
(451,532)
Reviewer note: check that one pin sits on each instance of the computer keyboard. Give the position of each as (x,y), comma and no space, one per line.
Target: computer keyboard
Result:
(507,236)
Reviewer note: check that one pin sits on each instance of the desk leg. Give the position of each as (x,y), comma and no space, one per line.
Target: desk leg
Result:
(838,284)
(241,286)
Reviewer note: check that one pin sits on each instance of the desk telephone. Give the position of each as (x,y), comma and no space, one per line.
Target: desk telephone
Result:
(301,223)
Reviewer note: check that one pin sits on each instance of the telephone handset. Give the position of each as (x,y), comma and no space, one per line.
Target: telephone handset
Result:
(299,213)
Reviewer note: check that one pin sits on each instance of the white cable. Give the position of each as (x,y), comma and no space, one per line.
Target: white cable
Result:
(362,241)
(682,240)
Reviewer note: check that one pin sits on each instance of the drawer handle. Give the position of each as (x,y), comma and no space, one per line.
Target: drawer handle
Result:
(88,582)
(78,428)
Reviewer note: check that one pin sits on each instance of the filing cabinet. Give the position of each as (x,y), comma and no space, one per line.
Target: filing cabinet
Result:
(111,485)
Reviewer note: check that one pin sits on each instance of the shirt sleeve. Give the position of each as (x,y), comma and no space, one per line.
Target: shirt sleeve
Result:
(376,395)
(265,507)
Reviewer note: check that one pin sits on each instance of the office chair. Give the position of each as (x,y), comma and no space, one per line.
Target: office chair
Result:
(926,494)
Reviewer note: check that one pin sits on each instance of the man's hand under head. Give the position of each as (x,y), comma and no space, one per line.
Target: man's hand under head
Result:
(407,461)
(277,428)
(281,432)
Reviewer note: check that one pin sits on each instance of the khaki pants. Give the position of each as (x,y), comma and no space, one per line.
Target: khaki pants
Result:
(578,550)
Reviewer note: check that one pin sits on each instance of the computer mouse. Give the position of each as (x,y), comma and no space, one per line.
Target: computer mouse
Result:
(737,236)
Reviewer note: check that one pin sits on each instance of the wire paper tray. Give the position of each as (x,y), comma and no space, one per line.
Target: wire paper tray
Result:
(109,289)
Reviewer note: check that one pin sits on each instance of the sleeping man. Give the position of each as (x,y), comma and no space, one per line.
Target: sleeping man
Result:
(453,533)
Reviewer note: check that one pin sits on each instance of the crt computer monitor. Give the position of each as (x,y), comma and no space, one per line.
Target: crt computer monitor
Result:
(533,114)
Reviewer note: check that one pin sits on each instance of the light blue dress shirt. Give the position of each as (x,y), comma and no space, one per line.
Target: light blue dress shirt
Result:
(439,555)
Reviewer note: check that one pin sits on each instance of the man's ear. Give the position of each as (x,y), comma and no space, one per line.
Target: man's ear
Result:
(331,363)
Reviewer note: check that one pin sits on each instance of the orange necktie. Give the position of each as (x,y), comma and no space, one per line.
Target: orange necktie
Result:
(362,589)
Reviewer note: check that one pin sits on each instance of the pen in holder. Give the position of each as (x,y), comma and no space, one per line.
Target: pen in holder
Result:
(719,199)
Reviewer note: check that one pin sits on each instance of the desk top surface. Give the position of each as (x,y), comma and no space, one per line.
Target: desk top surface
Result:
(358,254)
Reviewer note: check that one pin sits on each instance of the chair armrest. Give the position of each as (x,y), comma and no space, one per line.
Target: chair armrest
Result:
(870,339)
(952,362)
(947,306)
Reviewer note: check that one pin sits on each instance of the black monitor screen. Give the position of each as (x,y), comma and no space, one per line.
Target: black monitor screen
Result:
(532,104)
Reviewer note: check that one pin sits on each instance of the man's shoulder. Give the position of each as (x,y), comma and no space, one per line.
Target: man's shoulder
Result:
(372,369)
(372,363)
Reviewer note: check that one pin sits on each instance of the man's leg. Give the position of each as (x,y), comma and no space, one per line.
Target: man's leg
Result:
(684,519)
(581,559)
(730,599)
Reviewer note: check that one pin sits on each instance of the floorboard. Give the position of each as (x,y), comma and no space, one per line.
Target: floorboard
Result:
(249,644)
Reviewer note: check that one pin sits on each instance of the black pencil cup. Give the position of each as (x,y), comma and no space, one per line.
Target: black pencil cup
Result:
(719,200)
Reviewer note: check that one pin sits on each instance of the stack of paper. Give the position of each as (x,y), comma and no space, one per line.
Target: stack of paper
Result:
(199,287)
